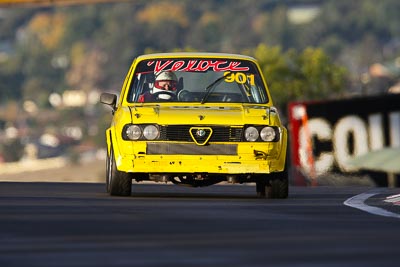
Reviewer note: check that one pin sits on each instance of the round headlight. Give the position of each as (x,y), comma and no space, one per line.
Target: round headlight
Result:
(251,134)
(151,132)
(133,132)
(268,134)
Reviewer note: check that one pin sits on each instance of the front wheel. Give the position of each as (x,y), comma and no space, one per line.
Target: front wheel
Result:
(274,185)
(117,183)
(278,188)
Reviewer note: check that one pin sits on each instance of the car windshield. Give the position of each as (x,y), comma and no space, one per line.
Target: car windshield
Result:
(197,80)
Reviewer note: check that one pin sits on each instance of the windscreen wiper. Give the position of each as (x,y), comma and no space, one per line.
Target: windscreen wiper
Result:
(211,87)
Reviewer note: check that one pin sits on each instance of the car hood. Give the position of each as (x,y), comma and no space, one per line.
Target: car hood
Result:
(202,114)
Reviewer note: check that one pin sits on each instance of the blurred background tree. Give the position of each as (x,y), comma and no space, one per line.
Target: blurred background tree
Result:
(307,75)
(308,49)
(41,45)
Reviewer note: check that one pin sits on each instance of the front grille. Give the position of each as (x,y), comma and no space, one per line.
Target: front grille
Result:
(155,148)
(182,133)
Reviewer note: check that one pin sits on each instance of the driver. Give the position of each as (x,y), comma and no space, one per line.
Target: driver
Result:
(164,87)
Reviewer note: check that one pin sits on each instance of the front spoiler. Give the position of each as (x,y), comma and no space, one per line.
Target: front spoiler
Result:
(198,164)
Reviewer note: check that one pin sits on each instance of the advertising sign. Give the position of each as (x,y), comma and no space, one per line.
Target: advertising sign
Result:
(326,135)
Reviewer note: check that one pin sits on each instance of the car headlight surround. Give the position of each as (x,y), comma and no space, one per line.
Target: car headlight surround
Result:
(268,134)
(151,132)
(251,134)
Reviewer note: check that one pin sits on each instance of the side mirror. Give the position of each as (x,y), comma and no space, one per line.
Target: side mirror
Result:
(109,99)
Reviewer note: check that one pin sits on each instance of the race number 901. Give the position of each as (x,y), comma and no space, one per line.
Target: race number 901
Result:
(239,77)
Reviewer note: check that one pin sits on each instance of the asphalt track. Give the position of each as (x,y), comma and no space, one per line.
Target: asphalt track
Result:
(78,224)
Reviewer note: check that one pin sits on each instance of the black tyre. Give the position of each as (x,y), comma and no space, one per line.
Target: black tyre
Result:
(117,183)
(278,188)
(273,185)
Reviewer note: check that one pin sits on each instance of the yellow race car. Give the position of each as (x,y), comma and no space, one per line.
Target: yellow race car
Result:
(195,119)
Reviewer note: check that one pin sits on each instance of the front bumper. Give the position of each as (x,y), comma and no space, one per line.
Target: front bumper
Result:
(232,158)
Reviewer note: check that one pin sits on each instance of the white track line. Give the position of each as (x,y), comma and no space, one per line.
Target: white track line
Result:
(358,203)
